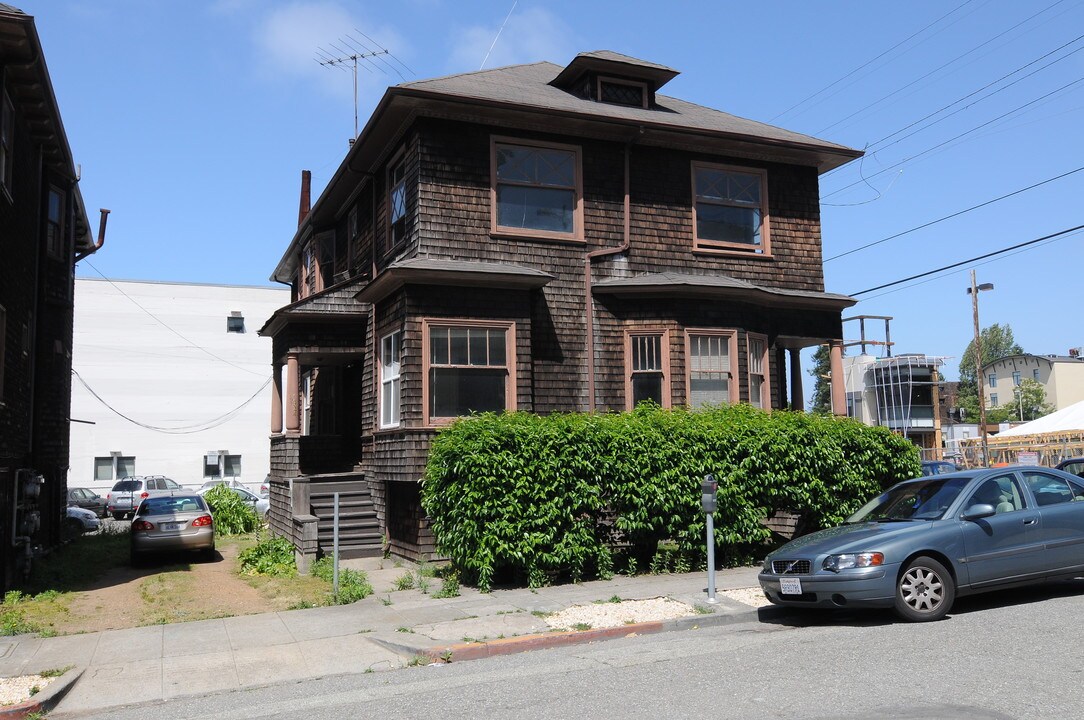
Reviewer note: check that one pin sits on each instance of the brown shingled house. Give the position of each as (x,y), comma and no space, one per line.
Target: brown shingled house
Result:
(534,238)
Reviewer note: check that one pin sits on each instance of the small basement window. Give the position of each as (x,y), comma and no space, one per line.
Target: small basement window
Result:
(235,323)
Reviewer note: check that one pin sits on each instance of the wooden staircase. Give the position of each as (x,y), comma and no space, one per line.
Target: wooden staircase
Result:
(359,529)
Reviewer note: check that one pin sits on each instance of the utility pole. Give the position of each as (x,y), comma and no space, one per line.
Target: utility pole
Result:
(974,292)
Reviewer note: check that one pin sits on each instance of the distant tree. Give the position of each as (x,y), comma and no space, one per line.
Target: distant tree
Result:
(1029,401)
(822,385)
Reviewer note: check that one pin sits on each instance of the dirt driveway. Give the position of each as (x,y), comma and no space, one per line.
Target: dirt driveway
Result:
(110,594)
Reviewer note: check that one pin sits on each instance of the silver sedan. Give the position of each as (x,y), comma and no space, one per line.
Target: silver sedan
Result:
(172,523)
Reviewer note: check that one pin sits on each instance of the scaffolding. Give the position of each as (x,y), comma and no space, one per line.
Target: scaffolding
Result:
(1049,448)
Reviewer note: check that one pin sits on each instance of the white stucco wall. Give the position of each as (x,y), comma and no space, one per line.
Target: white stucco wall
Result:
(179,370)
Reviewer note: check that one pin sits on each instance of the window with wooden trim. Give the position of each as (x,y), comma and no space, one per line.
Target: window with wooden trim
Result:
(390,349)
(647,367)
(7,140)
(536,189)
(710,357)
(759,385)
(397,204)
(469,367)
(730,208)
(54,223)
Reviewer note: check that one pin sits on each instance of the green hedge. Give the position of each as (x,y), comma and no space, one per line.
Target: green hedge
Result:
(553,495)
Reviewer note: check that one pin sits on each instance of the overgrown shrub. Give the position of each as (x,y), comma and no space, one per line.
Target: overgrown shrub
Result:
(272,556)
(554,495)
(353,584)
(233,516)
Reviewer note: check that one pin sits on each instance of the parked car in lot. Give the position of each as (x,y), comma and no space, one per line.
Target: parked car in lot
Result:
(937,467)
(171,523)
(924,542)
(127,493)
(258,504)
(79,520)
(1074,466)
(88,500)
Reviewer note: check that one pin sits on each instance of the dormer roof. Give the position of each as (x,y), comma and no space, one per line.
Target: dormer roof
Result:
(607,62)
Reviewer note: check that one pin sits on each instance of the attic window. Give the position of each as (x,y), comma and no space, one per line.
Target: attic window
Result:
(235,323)
(622,92)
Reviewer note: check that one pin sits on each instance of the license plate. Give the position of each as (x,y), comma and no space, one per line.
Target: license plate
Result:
(169,527)
(790,586)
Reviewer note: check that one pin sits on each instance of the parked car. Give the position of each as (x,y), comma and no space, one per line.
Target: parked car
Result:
(923,542)
(265,487)
(126,494)
(231,482)
(258,504)
(1073,465)
(170,523)
(88,500)
(80,520)
(937,467)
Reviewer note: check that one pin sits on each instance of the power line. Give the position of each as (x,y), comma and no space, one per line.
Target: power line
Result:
(970,260)
(870,62)
(167,327)
(499,31)
(955,214)
(181,429)
(957,137)
(942,67)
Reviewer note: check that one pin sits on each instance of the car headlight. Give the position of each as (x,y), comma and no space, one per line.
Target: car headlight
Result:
(835,563)
(767,566)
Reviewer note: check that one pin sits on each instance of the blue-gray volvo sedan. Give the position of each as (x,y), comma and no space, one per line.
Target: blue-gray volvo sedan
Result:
(922,543)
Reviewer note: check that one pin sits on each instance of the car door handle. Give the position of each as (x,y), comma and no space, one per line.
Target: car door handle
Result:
(1030,521)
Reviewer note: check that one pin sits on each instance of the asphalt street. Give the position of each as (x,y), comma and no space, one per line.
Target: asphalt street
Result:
(1013,654)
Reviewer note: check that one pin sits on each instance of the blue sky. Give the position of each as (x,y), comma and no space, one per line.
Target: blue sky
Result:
(192,122)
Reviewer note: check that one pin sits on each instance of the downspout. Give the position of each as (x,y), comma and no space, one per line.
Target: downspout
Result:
(587,297)
(101,236)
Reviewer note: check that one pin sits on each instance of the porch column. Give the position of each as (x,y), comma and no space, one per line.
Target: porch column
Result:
(797,397)
(276,398)
(293,408)
(839,392)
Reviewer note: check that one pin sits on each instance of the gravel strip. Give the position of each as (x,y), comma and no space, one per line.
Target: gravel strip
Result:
(14,690)
(616,614)
(748,596)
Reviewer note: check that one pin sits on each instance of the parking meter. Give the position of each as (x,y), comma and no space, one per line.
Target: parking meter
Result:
(708,488)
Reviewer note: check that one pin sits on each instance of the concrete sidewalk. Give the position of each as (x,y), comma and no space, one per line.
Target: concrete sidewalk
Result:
(390,629)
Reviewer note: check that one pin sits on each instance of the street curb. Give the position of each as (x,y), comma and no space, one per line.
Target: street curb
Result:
(46,700)
(458,652)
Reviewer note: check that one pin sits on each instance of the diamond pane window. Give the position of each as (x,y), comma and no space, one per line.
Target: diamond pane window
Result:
(729,208)
(620,93)
(397,204)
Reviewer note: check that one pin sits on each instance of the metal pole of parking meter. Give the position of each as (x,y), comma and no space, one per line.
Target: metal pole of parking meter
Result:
(707,499)
(335,551)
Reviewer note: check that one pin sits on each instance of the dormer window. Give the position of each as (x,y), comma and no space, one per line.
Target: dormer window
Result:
(622,92)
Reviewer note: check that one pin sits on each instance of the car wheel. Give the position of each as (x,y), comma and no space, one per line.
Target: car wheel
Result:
(118,516)
(209,553)
(925,591)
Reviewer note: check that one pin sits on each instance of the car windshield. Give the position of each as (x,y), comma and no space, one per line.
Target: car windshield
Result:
(172,505)
(127,485)
(925,499)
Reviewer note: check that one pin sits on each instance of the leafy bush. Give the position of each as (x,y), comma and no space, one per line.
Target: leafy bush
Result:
(233,516)
(555,495)
(353,584)
(273,556)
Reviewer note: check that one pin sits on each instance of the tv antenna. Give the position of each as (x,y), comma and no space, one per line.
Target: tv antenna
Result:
(347,51)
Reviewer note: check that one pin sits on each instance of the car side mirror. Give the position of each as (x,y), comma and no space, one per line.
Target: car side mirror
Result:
(978,511)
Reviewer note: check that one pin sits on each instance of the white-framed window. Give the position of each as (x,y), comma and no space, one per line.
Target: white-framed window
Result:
(759,385)
(7,140)
(397,203)
(1016,378)
(221,465)
(993,399)
(1035,374)
(710,355)
(730,208)
(469,367)
(54,224)
(536,189)
(390,352)
(113,467)
(306,402)
(235,322)
(993,380)
(647,367)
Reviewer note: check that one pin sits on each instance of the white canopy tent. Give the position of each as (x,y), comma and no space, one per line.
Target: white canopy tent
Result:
(1064,420)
